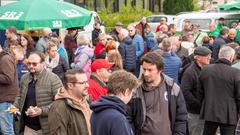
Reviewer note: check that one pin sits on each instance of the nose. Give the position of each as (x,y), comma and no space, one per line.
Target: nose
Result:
(87,85)
(145,73)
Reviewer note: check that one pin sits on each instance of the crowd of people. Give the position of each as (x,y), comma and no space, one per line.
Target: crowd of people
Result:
(131,81)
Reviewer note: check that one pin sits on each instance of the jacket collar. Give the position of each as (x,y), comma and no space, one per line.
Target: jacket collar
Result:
(31,76)
(223,61)
(102,84)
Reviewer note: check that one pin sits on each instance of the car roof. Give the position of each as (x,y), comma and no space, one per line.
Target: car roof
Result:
(162,16)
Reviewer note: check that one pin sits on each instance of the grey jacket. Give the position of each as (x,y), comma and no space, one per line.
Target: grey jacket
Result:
(47,86)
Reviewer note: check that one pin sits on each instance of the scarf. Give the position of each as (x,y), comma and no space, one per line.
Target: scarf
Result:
(54,62)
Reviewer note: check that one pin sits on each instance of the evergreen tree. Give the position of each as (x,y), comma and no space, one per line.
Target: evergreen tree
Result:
(175,6)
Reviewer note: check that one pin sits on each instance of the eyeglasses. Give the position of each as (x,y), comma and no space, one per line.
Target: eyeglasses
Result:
(32,63)
(130,30)
(81,83)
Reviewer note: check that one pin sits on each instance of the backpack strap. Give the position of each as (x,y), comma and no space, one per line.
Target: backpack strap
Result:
(195,41)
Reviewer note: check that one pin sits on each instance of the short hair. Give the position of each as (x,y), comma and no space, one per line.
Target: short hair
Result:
(166,45)
(174,39)
(206,39)
(50,44)
(12,29)
(124,33)
(70,76)
(111,45)
(233,45)
(130,26)
(83,40)
(226,52)
(40,54)
(154,59)
(13,42)
(171,26)
(19,49)
(224,31)
(120,81)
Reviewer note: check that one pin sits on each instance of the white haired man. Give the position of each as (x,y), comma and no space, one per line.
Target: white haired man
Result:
(219,88)
(127,51)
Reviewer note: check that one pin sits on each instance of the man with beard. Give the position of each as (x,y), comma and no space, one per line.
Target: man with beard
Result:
(70,106)
(37,91)
(11,35)
(158,106)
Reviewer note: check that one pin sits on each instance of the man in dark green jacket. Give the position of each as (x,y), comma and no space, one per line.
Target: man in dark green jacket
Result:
(37,91)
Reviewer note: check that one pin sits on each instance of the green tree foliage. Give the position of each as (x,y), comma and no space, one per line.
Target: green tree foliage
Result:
(126,15)
(176,6)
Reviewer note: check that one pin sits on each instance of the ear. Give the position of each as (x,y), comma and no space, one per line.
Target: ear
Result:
(70,85)
(127,92)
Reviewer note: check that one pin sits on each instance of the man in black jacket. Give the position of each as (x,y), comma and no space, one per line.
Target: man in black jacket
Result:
(95,33)
(158,106)
(219,86)
(202,56)
(219,41)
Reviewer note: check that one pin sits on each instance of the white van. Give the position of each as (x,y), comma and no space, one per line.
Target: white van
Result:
(205,19)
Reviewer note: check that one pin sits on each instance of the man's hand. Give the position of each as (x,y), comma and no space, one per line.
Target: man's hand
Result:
(34,111)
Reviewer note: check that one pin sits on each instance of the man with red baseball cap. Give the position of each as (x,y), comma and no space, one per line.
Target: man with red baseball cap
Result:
(99,77)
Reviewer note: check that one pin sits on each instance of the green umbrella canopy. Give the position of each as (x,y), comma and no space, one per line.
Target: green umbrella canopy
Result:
(230,6)
(37,14)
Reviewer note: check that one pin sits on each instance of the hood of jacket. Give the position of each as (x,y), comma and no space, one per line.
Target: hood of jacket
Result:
(127,40)
(108,102)
(79,104)
(84,49)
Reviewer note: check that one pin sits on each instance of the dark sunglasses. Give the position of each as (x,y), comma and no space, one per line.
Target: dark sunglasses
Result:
(32,63)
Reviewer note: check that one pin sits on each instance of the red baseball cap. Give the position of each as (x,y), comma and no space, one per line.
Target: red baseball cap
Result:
(100,63)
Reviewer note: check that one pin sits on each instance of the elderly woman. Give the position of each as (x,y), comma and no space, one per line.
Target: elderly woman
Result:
(54,62)
(83,56)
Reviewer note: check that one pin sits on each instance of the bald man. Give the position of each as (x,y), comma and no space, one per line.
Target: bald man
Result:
(232,35)
(42,42)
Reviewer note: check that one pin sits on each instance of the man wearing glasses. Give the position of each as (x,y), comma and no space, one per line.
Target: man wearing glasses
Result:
(37,91)
(70,112)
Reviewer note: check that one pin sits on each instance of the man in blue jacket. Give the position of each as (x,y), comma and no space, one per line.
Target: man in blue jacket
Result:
(108,117)
(139,45)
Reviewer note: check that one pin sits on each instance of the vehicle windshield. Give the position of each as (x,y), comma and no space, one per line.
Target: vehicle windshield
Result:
(154,19)
(204,23)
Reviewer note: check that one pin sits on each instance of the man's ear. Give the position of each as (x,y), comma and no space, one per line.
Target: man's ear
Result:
(127,92)
(70,85)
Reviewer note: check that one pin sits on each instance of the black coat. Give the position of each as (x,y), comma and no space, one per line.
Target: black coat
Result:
(189,83)
(219,86)
(61,68)
(128,53)
(95,34)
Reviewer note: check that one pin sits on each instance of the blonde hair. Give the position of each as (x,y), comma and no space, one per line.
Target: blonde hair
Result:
(116,58)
